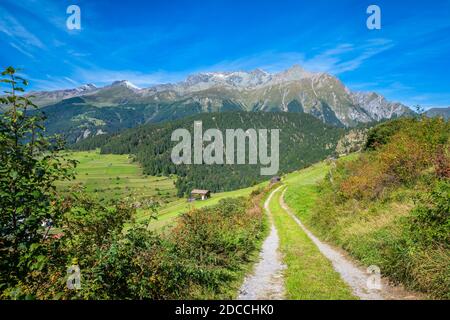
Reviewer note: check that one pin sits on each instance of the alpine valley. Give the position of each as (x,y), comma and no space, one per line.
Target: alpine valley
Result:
(89,110)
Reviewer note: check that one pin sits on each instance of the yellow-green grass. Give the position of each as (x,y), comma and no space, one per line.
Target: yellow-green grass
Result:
(168,212)
(309,275)
(364,229)
(353,231)
(301,194)
(372,232)
(111,176)
(310,175)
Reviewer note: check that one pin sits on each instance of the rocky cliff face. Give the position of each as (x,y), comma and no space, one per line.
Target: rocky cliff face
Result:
(293,90)
(44,98)
(439,112)
(377,107)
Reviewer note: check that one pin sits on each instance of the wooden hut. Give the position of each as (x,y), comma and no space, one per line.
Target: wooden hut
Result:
(200,194)
(275,179)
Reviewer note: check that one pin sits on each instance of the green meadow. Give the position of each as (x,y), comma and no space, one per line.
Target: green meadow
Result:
(110,176)
(168,212)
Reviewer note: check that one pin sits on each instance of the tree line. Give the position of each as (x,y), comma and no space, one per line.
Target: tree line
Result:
(304,140)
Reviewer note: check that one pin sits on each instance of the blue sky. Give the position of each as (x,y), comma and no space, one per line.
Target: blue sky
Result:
(149,42)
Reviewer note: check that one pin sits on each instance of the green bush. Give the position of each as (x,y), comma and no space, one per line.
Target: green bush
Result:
(382,134)
(43,232)
(30,163)
(429,223)
(204,255)
(390,207)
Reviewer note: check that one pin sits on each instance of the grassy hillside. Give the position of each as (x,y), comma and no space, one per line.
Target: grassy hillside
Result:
(309,275)
(303,140)
(109,176)
(390,205)
(168,213)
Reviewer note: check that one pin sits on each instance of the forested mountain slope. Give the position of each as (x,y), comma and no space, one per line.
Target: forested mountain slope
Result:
(303,140)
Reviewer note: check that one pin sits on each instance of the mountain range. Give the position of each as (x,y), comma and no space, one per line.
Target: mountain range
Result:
(89,110)
(439,112)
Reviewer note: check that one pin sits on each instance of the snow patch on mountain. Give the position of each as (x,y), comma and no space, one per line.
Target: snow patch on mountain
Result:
(238,80)
(294,90)
(85,88)
(126,84)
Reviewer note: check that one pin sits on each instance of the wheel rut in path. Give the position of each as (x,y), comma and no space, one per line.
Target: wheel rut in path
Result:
(354,276)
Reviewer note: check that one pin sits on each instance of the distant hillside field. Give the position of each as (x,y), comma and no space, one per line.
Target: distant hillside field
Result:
(168,213)
(117,176)
(303,140)
(111,176)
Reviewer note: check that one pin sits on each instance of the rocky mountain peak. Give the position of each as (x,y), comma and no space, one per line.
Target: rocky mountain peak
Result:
(86,87)
(377,106)
(296,72)
(259,72)
(236,79)
(124,83)
(293,90)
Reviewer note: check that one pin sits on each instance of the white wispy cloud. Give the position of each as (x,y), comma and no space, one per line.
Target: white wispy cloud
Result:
(50,83)
(103,76)
(45,11)
(71,81)
(11,27)
(347,57)
(338,59)
(335,60)
(20,49)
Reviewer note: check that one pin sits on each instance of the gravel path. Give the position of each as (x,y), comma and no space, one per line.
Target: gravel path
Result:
(355,277)
(266,281)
